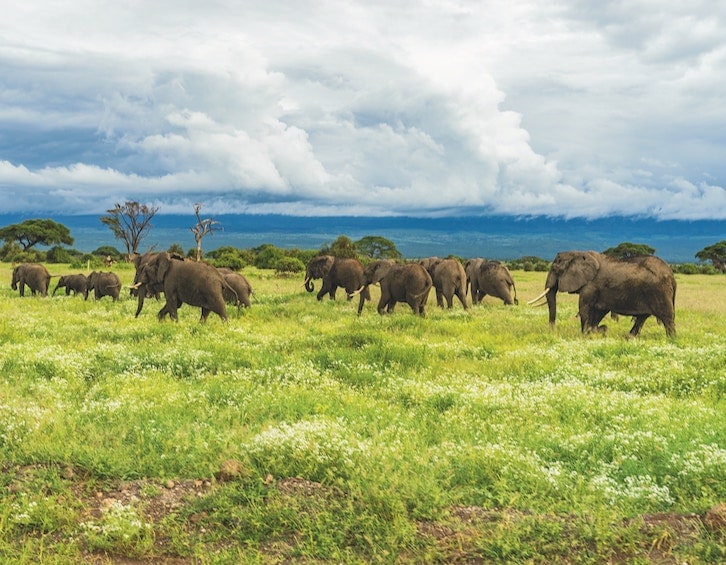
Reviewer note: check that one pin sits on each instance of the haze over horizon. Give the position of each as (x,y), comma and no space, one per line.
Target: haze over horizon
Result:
(562,108)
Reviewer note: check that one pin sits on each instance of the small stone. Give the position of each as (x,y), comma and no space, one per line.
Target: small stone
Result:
(169,484)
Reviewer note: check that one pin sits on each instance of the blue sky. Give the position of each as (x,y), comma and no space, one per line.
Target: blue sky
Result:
(567,108)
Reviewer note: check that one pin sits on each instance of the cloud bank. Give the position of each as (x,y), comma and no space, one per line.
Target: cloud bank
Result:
(566,108)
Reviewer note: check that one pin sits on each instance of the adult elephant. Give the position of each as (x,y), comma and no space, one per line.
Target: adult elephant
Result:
(35,275)
(639,286)
(449,279)
(490,278)
(471,267)
(76,283)
(335,272)
(183,282)
(240,289)
(104,284)
(409,282)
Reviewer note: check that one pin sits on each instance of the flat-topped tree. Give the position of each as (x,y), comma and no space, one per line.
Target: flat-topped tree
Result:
(36,232)
(715,253)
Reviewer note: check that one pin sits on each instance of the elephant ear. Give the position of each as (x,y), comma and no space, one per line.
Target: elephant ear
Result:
(163,263)
(581,270)
(377,270)
(322,266)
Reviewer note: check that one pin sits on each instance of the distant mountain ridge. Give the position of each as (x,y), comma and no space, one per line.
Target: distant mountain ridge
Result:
(493,237)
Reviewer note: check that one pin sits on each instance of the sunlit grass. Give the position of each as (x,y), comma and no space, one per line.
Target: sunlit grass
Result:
(405,418)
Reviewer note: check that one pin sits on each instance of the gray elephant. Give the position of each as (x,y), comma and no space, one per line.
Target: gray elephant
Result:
(183,282)
(490,278)
(240,289)
(449,280)
(35,275)
(76,283)
(335,272)
(409,282)
(104,284)
(139,262)
(639,286)
(471,266)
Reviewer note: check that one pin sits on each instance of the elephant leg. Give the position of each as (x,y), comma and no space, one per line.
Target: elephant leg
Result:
(638,324)
(322,292)
(462,298)
(670,326)
(595,317)
(169,308)
(205,315)
(382,303)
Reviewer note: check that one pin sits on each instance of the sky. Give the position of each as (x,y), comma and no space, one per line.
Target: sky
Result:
(564,108)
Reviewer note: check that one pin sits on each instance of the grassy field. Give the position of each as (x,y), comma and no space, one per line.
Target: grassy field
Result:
(301,433)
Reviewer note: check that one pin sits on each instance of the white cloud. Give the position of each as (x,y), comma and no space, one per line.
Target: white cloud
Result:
(566,107)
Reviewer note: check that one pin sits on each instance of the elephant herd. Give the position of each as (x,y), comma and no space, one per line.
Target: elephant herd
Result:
(639,286)
(37,278)
(181,281)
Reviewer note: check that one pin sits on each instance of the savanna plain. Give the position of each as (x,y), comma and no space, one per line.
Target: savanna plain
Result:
(299,432)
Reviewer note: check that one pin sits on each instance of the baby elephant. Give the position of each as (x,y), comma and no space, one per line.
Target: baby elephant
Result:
(104,284)
(239,288)
(76,283)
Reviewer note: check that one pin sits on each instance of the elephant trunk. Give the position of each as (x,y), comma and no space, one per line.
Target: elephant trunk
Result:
(364,295)
(141,294)
(309,286)
(551,285)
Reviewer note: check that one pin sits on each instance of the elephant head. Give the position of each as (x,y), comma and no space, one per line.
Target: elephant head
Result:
(570,271)
(317,268)
(430,264)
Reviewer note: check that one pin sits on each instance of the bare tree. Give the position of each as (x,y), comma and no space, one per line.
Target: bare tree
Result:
(130,222)
(202,228)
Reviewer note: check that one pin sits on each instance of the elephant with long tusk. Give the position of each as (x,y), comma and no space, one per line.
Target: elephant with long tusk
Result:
(638,286)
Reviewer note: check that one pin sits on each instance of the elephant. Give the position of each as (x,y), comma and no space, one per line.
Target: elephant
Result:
(104,284)
(408,282)
(35,275)
(492,278)
(239,290)
(449,280)
(183,282)
(638,286)
(335,272)
(76,283)
(471,266)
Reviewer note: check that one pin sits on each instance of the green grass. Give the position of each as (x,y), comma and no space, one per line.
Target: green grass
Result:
(475,436)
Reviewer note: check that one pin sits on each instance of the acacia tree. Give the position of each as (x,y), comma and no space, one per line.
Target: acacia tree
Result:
(715,253)
(202,228)
(626,250)
(341,247)
(36,232)
(377,247)
(130,222)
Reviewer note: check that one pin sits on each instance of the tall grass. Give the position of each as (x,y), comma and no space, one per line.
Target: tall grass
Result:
(478,435)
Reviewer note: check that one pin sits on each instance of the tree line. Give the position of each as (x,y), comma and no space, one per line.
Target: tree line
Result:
(131,222)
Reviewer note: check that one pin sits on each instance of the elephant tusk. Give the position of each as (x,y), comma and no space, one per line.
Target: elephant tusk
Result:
(356,292)
(540,297)
(135,286)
